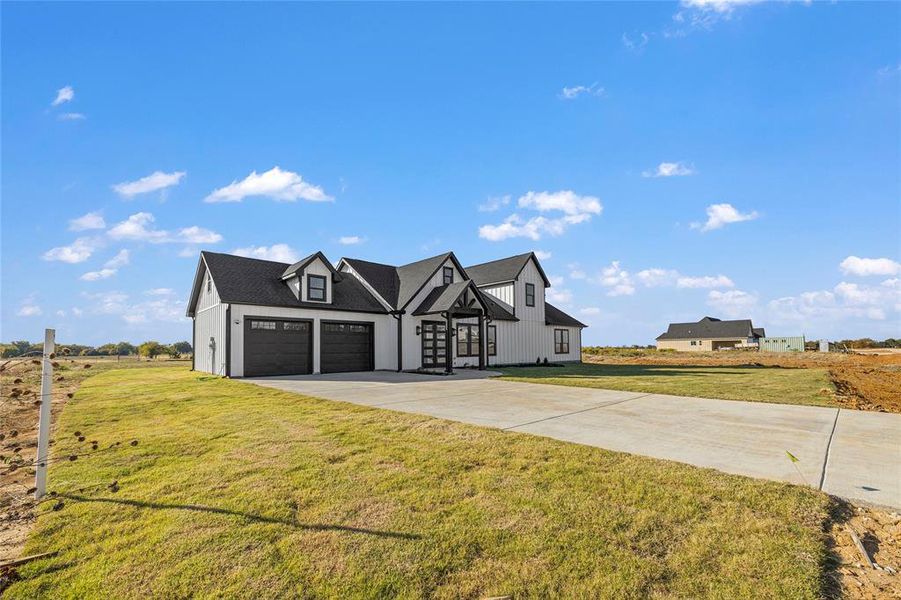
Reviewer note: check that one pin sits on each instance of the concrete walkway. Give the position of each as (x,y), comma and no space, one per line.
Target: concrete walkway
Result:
(851,454)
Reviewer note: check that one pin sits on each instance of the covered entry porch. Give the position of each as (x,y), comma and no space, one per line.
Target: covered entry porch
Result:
(439,338)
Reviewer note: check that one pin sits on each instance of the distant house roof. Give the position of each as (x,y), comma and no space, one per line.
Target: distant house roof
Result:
(243,280)
(759,332)
(504,269)
(710,327)
(555,316)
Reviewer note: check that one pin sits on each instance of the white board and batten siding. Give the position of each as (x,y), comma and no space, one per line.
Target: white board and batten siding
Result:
(503,293)
(384,331)
(317,268)
(209,329)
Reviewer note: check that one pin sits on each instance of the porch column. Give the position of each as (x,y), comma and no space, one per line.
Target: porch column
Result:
(483,343)
(449,344)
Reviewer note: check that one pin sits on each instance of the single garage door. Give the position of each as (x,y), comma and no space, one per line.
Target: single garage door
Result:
(277,347)
(345,346)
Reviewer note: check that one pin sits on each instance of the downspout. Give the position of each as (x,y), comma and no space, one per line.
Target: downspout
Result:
(449,344)
(228,339)
(400,339)
(194,343)
(483,343)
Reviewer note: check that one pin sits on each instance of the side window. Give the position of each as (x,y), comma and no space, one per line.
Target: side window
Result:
(209,284)
(492,340)
(316,288)
(561,341)
(530,294)
(448,275)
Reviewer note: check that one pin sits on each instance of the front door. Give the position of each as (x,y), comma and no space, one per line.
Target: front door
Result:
(434,344)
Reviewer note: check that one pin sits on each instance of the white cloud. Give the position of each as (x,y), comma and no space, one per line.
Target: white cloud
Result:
(350,240)
(824,308)
(869,266)
(276,252)
(121,259)
(733,303)
(656,277)
(63,95)
(151,183)
(670,169)
(188,252)
(97,275)
(718,6)
(542,255)
(494,203)
(161,308)
(719,215)
(160,292)
(718,281)
(576,272)
(198,235)
(61,313)
(555,279)
(29,310)
(575,208)
(91,220)
(139,227)
(571,93)
(71,116)
(279,185)
(78,251)
(559,295)
(590,310)
(77,312)
(888,70)
(637,43)
(617,279)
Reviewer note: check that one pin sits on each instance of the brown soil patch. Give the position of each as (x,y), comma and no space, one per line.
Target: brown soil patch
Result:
(880,533)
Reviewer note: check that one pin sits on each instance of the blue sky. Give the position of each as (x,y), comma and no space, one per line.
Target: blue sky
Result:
(671,160)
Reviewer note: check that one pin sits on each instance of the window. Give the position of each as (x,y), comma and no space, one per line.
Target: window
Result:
(270,325)
(694,343)
(467,340)
(530,294)
(561,341)
(316,288)
(295,326)
(492,340)
(448,275)
(209,285)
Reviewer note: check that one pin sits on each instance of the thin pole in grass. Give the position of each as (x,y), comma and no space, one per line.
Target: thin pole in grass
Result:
(40,473)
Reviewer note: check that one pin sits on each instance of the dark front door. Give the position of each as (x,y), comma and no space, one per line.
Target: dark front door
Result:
(345,346)
(277,347)
(434,344)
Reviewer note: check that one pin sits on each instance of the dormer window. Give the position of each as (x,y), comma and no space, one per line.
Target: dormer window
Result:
(530,294)
(316,288)
(448,275)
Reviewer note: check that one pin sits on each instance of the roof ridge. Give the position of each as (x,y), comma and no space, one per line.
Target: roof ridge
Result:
(488,262)
(274,262)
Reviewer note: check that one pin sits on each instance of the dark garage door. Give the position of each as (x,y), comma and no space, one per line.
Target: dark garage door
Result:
(277,347)
(346,347)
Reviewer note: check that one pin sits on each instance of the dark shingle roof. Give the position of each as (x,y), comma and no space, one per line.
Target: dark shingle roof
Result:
(504,269)
(759,331)
(302,263)
(495,310)
(708,327)
(555,316)
(253,281)
(383,278)
(442,298)
(414,275)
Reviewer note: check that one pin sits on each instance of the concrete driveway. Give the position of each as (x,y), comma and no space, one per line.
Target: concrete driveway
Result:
(852,454)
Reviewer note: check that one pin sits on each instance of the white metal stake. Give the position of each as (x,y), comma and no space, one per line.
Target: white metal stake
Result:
(40,473)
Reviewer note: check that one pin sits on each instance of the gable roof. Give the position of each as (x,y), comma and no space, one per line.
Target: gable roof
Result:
(555,316)
(443,297)
(495,310)
(241,280)
(383,278)
(709,327)
(504,269)
(302,264)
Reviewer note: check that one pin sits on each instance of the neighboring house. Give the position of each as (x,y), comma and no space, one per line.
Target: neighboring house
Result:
(255,317)
(710,334)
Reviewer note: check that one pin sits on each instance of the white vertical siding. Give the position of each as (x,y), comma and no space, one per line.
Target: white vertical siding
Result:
(209,330)
(317,268)
(504,293)
(384,333)
(531,275)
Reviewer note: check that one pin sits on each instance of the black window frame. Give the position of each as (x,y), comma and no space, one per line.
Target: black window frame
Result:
(561,346)
(209,285)
(471,349)
(491,340)
(310,288)
(448,275)
(530,292)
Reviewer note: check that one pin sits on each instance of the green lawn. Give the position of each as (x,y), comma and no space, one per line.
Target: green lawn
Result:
(235,490)
(757,384)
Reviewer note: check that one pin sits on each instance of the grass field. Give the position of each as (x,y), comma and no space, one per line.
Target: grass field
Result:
(234,490)
(735,382)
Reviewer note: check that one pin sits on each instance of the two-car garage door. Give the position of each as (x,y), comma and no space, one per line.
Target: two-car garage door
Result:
(285,346)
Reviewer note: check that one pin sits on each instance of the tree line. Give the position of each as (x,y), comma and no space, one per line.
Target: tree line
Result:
(148,349)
